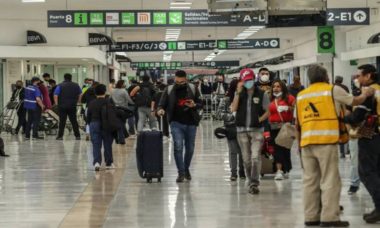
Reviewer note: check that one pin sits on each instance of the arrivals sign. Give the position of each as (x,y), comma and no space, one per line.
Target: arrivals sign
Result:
(153,18)
(195,45)
(180,65)
(348,16)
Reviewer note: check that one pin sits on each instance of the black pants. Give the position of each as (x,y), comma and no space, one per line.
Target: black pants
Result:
(1,146)
(21,114)
(72,114)
(34,117)
(281,154)
(369,167)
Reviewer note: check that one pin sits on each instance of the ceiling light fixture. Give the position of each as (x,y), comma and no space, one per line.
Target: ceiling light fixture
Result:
(32,1)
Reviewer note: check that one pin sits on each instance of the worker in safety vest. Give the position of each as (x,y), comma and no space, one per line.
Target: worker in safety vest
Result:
(318,133)
(367,117)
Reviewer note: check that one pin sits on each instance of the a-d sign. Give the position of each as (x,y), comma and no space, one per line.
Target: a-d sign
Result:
(34,37)
(99,39)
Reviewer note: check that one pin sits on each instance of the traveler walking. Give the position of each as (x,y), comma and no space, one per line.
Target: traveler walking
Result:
(265,81)
(121,100)
(251,107)
(317,113)
(281,111)
(339,82)
(18,95)
(296,87)
(180,102)
(164,125)
(220,86)
(66,96)
(98,132)
(143,96)
(33,106)
(367,116)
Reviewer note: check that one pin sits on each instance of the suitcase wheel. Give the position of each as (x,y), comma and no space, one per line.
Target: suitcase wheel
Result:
(159,180)
(149,180)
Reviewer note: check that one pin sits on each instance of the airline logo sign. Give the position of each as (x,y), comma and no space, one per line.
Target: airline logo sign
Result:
(195,45)
(348,16)
(154,18)
(99,39)
(33,37)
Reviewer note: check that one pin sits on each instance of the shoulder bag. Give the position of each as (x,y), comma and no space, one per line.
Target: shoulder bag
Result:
(287,132)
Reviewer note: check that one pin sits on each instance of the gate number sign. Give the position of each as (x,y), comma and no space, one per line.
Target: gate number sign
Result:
(348,16)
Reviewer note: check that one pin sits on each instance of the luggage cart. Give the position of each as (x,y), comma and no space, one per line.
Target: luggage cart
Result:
(8,116)
(207,106)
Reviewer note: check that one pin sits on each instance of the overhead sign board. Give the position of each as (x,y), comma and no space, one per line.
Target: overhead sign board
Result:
(348,16)
(181,65)
(153,18)
(374,39)
(99,39)
(195,45)
(33,37)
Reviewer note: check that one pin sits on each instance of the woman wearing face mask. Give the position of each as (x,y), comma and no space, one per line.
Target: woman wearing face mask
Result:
(281,111)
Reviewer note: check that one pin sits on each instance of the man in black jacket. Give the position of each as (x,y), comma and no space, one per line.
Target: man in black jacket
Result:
(181,101)
(19,95)
(251,107)
(66,96)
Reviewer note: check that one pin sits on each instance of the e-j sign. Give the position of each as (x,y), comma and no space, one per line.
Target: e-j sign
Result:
(153,18)
(326,39)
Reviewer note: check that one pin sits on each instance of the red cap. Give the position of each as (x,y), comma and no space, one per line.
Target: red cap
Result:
(247,74)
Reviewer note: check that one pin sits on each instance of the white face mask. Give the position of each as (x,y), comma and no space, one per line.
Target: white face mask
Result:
(264,78)
(279,94)
(357,83)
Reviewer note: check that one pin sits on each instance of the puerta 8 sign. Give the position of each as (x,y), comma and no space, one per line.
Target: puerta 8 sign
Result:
(195,45)
(326,39)
(153,18)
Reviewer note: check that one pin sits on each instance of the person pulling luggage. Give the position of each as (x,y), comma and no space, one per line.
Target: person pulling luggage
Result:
(180,102)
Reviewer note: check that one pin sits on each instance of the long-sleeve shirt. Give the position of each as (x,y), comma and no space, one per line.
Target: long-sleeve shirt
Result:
(94,109)
(121,98)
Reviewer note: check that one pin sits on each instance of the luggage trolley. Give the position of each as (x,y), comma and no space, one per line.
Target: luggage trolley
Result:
(207,106)
(8,116)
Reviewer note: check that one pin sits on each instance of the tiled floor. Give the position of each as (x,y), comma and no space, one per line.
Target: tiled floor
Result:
(52,184)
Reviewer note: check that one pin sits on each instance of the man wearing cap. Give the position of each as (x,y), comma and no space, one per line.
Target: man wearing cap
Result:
(251,107)
(33,106)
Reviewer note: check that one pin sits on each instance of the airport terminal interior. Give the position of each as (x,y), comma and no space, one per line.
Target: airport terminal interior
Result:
(179,148)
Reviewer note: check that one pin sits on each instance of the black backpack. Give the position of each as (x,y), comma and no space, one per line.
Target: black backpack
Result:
(109,120)
(144,96)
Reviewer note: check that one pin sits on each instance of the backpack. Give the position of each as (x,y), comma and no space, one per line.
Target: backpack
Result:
(144,97)
(109,120)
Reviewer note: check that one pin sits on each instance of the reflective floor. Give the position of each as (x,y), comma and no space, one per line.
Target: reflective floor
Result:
(52,184)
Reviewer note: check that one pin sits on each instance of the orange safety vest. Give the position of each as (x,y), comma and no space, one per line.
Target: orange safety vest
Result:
(317,116)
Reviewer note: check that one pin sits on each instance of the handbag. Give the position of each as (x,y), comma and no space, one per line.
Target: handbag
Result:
(287,133)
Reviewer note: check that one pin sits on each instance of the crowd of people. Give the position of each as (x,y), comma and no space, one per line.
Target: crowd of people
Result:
(259,106)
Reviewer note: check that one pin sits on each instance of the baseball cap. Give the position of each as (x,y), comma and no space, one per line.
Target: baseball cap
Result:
(247,74)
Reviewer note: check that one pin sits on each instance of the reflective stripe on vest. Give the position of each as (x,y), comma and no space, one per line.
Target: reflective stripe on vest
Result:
(317,116)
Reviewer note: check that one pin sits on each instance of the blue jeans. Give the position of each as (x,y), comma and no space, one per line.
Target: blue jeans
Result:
(354,150)
(183,136)
(99,137)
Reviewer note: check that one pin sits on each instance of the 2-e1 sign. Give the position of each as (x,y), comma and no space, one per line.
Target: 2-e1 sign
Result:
(348,16)
(326,39)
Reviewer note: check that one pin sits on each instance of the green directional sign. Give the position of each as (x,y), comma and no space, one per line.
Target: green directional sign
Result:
(222,44)
(172,46)
(128,18)
(80,19)
(326,39)
(175,18)
(159,18)
(96,19)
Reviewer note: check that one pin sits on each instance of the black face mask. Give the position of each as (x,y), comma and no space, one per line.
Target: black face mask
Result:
(181,86)
(18,87)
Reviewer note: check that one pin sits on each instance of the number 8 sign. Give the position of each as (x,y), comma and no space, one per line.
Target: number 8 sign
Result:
(326,39)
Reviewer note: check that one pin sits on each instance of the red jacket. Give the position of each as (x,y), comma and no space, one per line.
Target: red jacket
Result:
(45,96)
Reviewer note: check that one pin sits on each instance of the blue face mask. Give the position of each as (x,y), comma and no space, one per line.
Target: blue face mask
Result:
(248,84)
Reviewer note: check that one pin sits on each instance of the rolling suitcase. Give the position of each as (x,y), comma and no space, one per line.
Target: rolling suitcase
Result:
(149,155)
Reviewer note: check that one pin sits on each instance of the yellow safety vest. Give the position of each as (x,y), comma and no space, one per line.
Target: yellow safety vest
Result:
(317,116)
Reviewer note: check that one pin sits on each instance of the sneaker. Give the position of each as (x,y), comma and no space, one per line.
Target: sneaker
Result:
(180,178)
(242,174)
(254,190)
(188,176)
(374,217)
(314,223)
(335,224)
(233,178)
(279,175)
(97,167)
(112,166)
(369,215)
(2,154)
(352,190)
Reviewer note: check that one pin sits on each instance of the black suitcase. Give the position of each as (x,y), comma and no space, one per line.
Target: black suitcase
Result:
(149,155)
